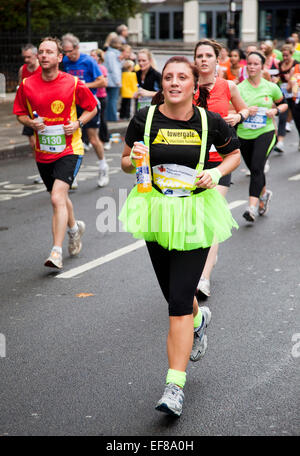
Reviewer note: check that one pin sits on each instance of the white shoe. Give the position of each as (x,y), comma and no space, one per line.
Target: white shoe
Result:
(74,186)
(267,166)
(204,286)
(288,127)
(107,145)
(54,260)
(38,180)
(75,244)
(279,147)
(103,178)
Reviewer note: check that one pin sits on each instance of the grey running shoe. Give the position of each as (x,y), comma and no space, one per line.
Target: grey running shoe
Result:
(200,338)
(265,199)
(54,260)
(250,214)
(171,401)
(103,178)
(75,244)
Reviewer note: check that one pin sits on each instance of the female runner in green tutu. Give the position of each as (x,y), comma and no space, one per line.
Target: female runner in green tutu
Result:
(183,214)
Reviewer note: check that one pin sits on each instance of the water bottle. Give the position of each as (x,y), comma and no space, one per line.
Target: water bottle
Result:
(38,118)
(143,173)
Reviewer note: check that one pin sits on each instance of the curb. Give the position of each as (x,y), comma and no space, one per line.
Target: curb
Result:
(23,149)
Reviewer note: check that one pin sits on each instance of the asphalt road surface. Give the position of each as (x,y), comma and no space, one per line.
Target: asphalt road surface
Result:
(82,351)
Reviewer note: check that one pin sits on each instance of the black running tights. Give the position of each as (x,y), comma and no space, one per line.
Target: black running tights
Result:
(255,153)
(178,274)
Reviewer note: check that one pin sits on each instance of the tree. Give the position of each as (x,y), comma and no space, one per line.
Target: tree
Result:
(43,12)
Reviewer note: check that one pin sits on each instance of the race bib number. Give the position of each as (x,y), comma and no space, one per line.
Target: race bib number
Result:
(53,139)
(174,180)
(143,102)
(257,121)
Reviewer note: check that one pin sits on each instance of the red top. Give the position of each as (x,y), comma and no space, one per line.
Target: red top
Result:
(56,102)
(218,101)
(26,73)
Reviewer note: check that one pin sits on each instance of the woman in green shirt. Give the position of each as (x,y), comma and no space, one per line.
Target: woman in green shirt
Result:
(257,132)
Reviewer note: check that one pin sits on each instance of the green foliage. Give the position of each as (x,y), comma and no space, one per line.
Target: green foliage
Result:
(44,12)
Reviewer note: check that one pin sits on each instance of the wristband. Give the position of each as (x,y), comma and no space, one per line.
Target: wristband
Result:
(278,112)
(242,118)
(215,175)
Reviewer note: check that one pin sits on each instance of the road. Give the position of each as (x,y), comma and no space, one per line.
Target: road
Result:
(82,352)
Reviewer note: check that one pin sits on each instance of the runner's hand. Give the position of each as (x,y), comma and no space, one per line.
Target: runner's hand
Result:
(232,119)
(37,125)
(271,113)
(71,127)
(208,178)
(253,110)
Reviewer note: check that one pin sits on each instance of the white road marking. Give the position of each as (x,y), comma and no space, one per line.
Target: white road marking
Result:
(101,260)
(294,178)
(236,203)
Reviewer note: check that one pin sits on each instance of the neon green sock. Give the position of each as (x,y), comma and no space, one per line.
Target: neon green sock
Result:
(198,319)
(177,377)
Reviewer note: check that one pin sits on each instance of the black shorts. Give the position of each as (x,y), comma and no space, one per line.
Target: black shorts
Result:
(27,131)
(225,180)
(94,122)
(64,169)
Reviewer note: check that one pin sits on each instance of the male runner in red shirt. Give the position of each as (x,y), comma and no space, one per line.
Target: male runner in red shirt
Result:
(52,96)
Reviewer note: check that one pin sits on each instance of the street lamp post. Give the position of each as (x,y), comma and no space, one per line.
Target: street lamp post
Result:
(28,20)
(231,29)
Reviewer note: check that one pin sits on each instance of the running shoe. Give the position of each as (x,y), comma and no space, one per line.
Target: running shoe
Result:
(204,286)
(75,244)
(107,145)
(171,401)
(103,178)
(265,199)
(250,214)
(38,180)
(288,127)
(54,260)
(200,338)
(279,147)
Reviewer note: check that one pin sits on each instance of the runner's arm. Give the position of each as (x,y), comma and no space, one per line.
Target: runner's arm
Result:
(97,83)
(238,104)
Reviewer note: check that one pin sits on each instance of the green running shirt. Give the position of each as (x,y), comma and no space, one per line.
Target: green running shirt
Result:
(262,96)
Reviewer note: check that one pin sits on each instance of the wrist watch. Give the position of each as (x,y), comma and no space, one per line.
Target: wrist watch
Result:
(80,124)
(242,118)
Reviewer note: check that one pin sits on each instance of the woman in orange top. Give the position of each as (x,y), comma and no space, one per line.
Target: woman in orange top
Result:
(233,72)
(221,94)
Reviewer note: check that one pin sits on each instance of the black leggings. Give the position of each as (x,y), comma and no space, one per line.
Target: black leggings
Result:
(178,274)
(296,115)
(255,153)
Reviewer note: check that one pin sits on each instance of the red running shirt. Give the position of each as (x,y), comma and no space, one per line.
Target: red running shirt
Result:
(218,101)
(26,73)
(56,102)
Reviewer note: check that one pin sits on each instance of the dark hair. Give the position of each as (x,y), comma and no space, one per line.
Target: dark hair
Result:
(203,91)
(238,51)
(214,44)
(259,55)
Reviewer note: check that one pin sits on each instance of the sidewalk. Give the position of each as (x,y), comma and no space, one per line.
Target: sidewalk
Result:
(13,144)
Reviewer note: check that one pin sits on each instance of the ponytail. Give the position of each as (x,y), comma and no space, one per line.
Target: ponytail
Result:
(203,95)
(158,98)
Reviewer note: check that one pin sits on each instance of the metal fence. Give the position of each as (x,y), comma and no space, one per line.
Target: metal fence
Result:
(12,42)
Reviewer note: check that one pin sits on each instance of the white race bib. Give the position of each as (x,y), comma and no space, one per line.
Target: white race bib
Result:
(174,180)
(257,121)
(53,139)
(284,90)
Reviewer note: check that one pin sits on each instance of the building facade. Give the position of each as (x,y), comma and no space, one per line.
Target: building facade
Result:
(190,20)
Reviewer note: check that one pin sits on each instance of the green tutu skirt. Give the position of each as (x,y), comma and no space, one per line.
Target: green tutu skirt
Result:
(180,223)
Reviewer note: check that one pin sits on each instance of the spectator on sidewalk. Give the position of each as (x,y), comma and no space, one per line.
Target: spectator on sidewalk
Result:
(86,69)
(98,55)
(128,89)
(122,31)
(114,72)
